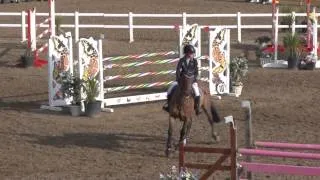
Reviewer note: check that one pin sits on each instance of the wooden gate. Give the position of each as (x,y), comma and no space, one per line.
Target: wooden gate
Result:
(217,166)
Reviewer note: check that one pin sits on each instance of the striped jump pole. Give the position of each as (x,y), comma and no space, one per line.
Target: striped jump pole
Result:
(171,57)
(141,63)
(315,147)
(281,169)
(32,32)
(139,56)
(269,153)
(279,150)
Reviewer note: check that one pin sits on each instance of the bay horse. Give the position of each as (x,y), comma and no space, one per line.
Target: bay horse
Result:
(181,106)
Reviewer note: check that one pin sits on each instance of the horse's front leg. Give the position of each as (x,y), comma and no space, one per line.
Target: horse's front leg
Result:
(183,131)
(169,139)
(189,124)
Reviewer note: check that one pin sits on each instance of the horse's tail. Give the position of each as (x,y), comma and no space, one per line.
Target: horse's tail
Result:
(214,113)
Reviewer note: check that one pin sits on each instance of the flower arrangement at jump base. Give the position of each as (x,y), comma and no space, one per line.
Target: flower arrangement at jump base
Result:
(298,54)
(71,88)
(238,70)
(308,62)
(294,50)
(265,50)
(174,175)
(91,90)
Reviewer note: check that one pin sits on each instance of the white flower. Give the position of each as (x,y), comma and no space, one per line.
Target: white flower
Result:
(161,176)
(174,169)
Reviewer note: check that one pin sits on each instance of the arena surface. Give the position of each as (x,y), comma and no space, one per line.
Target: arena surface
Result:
(130,143)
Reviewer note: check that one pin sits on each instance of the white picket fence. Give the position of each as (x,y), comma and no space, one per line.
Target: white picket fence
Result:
(131,27)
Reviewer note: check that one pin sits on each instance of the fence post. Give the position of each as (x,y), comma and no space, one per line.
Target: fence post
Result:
(239,26)
(181,155)
(308,24)
(29,28)
(33,29)
(233,146)
(184,20)
(315,34)
(131,27)
(23,26)
(276,35)
(210,49)
(69,36)
(76,26)
(100,47)
(293,25)
(52,16)
(249,140)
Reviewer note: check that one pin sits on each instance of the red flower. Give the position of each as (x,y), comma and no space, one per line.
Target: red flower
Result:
(270,49)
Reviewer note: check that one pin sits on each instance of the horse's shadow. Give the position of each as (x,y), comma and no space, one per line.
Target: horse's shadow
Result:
(29,107)
(19,105)
(142,144)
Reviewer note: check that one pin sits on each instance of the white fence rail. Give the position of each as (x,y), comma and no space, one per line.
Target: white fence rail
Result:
(130,16)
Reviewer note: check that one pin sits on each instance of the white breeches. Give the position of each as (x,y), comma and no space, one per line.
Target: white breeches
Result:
(195,88)
(171,87)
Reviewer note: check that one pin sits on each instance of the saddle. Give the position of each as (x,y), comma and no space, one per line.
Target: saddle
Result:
(175,88)
(170,96)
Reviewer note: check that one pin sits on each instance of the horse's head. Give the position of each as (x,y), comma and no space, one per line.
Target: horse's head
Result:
(186,84)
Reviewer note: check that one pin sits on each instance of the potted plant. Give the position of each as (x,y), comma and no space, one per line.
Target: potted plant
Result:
(27,59)
(71,86)
(238,70)
(91,89)
(292,44)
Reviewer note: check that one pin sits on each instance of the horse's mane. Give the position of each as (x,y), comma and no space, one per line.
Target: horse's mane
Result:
(176,98)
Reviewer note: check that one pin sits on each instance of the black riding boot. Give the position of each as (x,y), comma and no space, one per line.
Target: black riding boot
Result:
(197,105)
(166,106)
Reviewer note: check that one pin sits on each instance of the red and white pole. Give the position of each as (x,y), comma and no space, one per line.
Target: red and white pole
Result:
(273,20)
(29,28)
(308,2)
(52,16)
(32,29)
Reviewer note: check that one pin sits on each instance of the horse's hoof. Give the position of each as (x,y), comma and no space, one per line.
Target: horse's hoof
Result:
(216,139)
(169,152)
(176,146)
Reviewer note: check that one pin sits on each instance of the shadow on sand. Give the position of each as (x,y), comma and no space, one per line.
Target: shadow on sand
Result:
(143,144)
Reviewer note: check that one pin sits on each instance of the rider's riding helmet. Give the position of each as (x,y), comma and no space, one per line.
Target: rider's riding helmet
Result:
(189,49)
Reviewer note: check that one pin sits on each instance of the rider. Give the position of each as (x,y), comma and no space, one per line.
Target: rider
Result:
(187,65)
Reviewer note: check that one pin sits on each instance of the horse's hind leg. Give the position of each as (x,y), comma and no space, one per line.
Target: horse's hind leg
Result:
(207,111)
(169,140)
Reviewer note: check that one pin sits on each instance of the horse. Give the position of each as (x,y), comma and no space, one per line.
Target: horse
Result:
(182,107)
